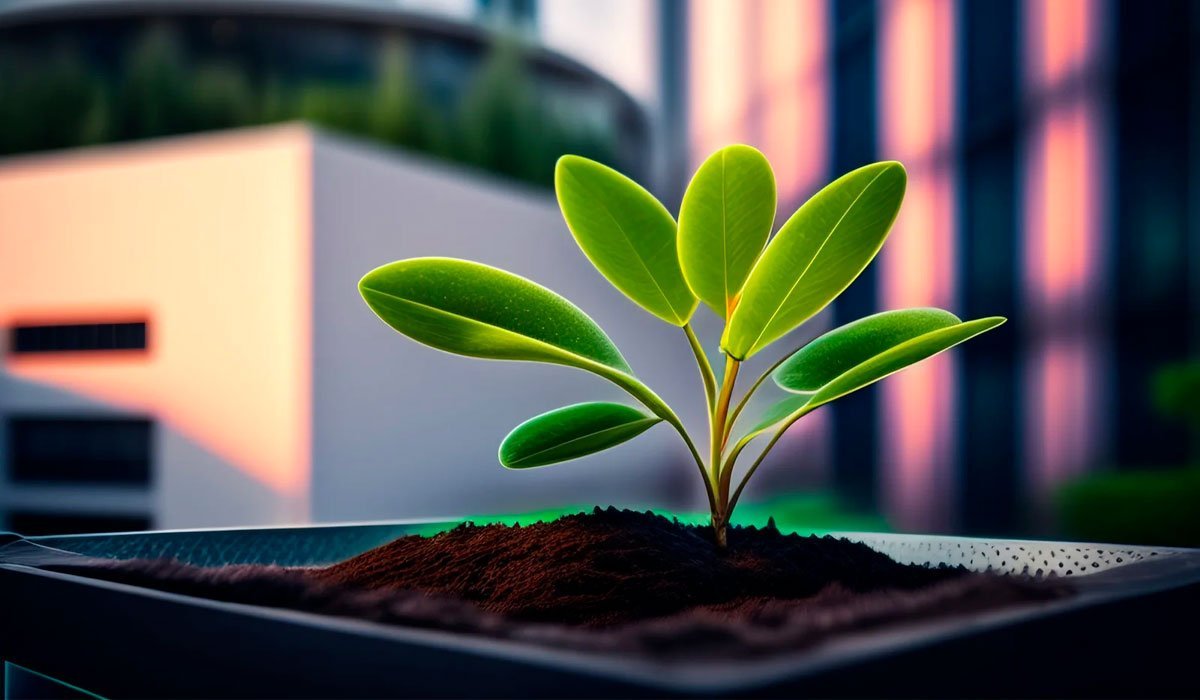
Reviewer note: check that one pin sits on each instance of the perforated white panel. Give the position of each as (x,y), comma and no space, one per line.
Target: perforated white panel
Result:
(1009,556)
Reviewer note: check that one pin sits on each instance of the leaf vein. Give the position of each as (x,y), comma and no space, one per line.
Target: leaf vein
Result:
(816,255)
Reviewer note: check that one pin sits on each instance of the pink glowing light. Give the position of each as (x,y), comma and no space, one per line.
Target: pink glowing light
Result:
(719,86)
(793,93)
(1062,241)
(758,76)
(1060,376)
(916,77)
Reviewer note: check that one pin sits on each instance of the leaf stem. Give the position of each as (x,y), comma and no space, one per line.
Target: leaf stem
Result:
(761,456)
(737,411)
(704,475)
(706,370)
(720,415)
(646,396)
(667,414)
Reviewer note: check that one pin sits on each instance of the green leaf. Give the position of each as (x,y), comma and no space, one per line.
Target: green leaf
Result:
(875,359)
(817,254)
(571,432)
(778,412)
(627,234)
(829,356)
(724,223)
(858,354)
(781,415)
(472,309)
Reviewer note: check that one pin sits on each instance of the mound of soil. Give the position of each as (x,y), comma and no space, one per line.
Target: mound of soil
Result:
(612,566)
(610,580)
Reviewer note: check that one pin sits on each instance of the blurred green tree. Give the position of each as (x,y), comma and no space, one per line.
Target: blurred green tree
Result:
(58,105)
(500,122)
(1146,506)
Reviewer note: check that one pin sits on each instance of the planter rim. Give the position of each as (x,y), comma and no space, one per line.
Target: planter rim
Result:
(1168,568)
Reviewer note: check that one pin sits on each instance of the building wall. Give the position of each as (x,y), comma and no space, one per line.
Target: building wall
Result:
(206,239)
(276,395)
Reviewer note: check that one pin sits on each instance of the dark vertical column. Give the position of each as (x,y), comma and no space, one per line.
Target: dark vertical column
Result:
(989,264)
(1151,103)
(673,90)
(1194,199)
(853,106)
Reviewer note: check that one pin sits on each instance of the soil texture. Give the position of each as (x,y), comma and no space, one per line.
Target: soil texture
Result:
(611,580)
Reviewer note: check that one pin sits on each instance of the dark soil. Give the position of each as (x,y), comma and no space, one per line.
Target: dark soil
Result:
(610,567)
(612,580)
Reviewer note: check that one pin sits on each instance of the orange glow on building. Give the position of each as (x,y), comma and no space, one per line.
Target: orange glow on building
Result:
(1062,375)
(719,86)
(793,93)
(208,240)
(1062,240)
(1061,39)
(916,78)
(758,76)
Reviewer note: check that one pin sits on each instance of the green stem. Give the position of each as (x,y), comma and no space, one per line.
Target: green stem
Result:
(761,456)
(720,415)
(706,370)
(737,411)
(708,485)
(658,407)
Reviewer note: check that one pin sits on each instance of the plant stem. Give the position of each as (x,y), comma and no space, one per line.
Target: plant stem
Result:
(732,502)
(737,411)
(706,370)
(709,485)
(750,472)
(658,407)
(721,412)
(720,415)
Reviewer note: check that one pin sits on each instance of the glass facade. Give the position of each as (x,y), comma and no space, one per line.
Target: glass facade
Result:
(1050,147)
(79,450)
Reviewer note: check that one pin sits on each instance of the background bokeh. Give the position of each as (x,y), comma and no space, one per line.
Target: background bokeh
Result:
(1053,150)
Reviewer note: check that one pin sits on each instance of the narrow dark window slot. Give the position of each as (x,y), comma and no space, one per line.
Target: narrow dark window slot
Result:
(77,337)
(111,451)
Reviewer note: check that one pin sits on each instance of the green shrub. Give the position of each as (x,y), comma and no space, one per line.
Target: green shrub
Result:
(499,123)
(1154,507)
(55,104)
(1177,393)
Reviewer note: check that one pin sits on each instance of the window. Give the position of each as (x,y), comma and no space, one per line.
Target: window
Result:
(112,451)
(76,337)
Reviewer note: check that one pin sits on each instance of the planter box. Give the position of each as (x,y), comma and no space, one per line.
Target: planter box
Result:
(1126,633)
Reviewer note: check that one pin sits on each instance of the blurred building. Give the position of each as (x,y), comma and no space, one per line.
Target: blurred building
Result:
(1052,154)
(1052,147)
(171,382)
(470,84)
(185,344)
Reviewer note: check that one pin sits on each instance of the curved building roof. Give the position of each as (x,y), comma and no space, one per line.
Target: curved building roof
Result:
(28,13)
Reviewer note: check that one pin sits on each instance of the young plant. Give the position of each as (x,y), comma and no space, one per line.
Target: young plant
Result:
(718,253)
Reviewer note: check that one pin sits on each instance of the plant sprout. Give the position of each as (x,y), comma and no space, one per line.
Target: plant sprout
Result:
(719,254)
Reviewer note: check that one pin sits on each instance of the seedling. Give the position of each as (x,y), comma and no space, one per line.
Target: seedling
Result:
(718,253)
